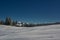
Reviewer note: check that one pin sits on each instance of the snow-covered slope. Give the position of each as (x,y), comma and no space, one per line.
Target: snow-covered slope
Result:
(51,32)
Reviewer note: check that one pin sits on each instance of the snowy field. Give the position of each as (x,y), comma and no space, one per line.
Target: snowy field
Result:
(51,32)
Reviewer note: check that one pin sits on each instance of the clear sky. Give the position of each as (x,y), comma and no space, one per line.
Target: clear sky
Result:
(31,10)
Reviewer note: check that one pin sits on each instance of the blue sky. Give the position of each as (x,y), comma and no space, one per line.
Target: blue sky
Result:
(31,10)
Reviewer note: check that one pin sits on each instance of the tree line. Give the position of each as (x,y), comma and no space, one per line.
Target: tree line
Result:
(8,21)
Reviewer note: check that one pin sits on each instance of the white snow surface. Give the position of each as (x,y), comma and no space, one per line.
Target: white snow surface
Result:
(51,32)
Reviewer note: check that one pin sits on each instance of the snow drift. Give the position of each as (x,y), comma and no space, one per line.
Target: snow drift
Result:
(50,32)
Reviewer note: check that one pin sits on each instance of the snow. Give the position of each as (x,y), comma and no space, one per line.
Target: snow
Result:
(51,32)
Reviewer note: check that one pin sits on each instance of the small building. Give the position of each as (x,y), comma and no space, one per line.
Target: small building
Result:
(20,24)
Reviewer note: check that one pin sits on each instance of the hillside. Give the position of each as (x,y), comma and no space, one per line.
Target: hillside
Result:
(50,32)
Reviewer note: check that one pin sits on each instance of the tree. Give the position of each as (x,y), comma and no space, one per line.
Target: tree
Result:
(8,21)
(1,22)
(14,23)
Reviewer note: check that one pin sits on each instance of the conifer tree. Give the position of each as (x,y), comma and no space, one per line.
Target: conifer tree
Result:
(1,22)
(8,21)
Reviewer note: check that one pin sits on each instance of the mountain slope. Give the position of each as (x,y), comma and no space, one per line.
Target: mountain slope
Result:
(51,32)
